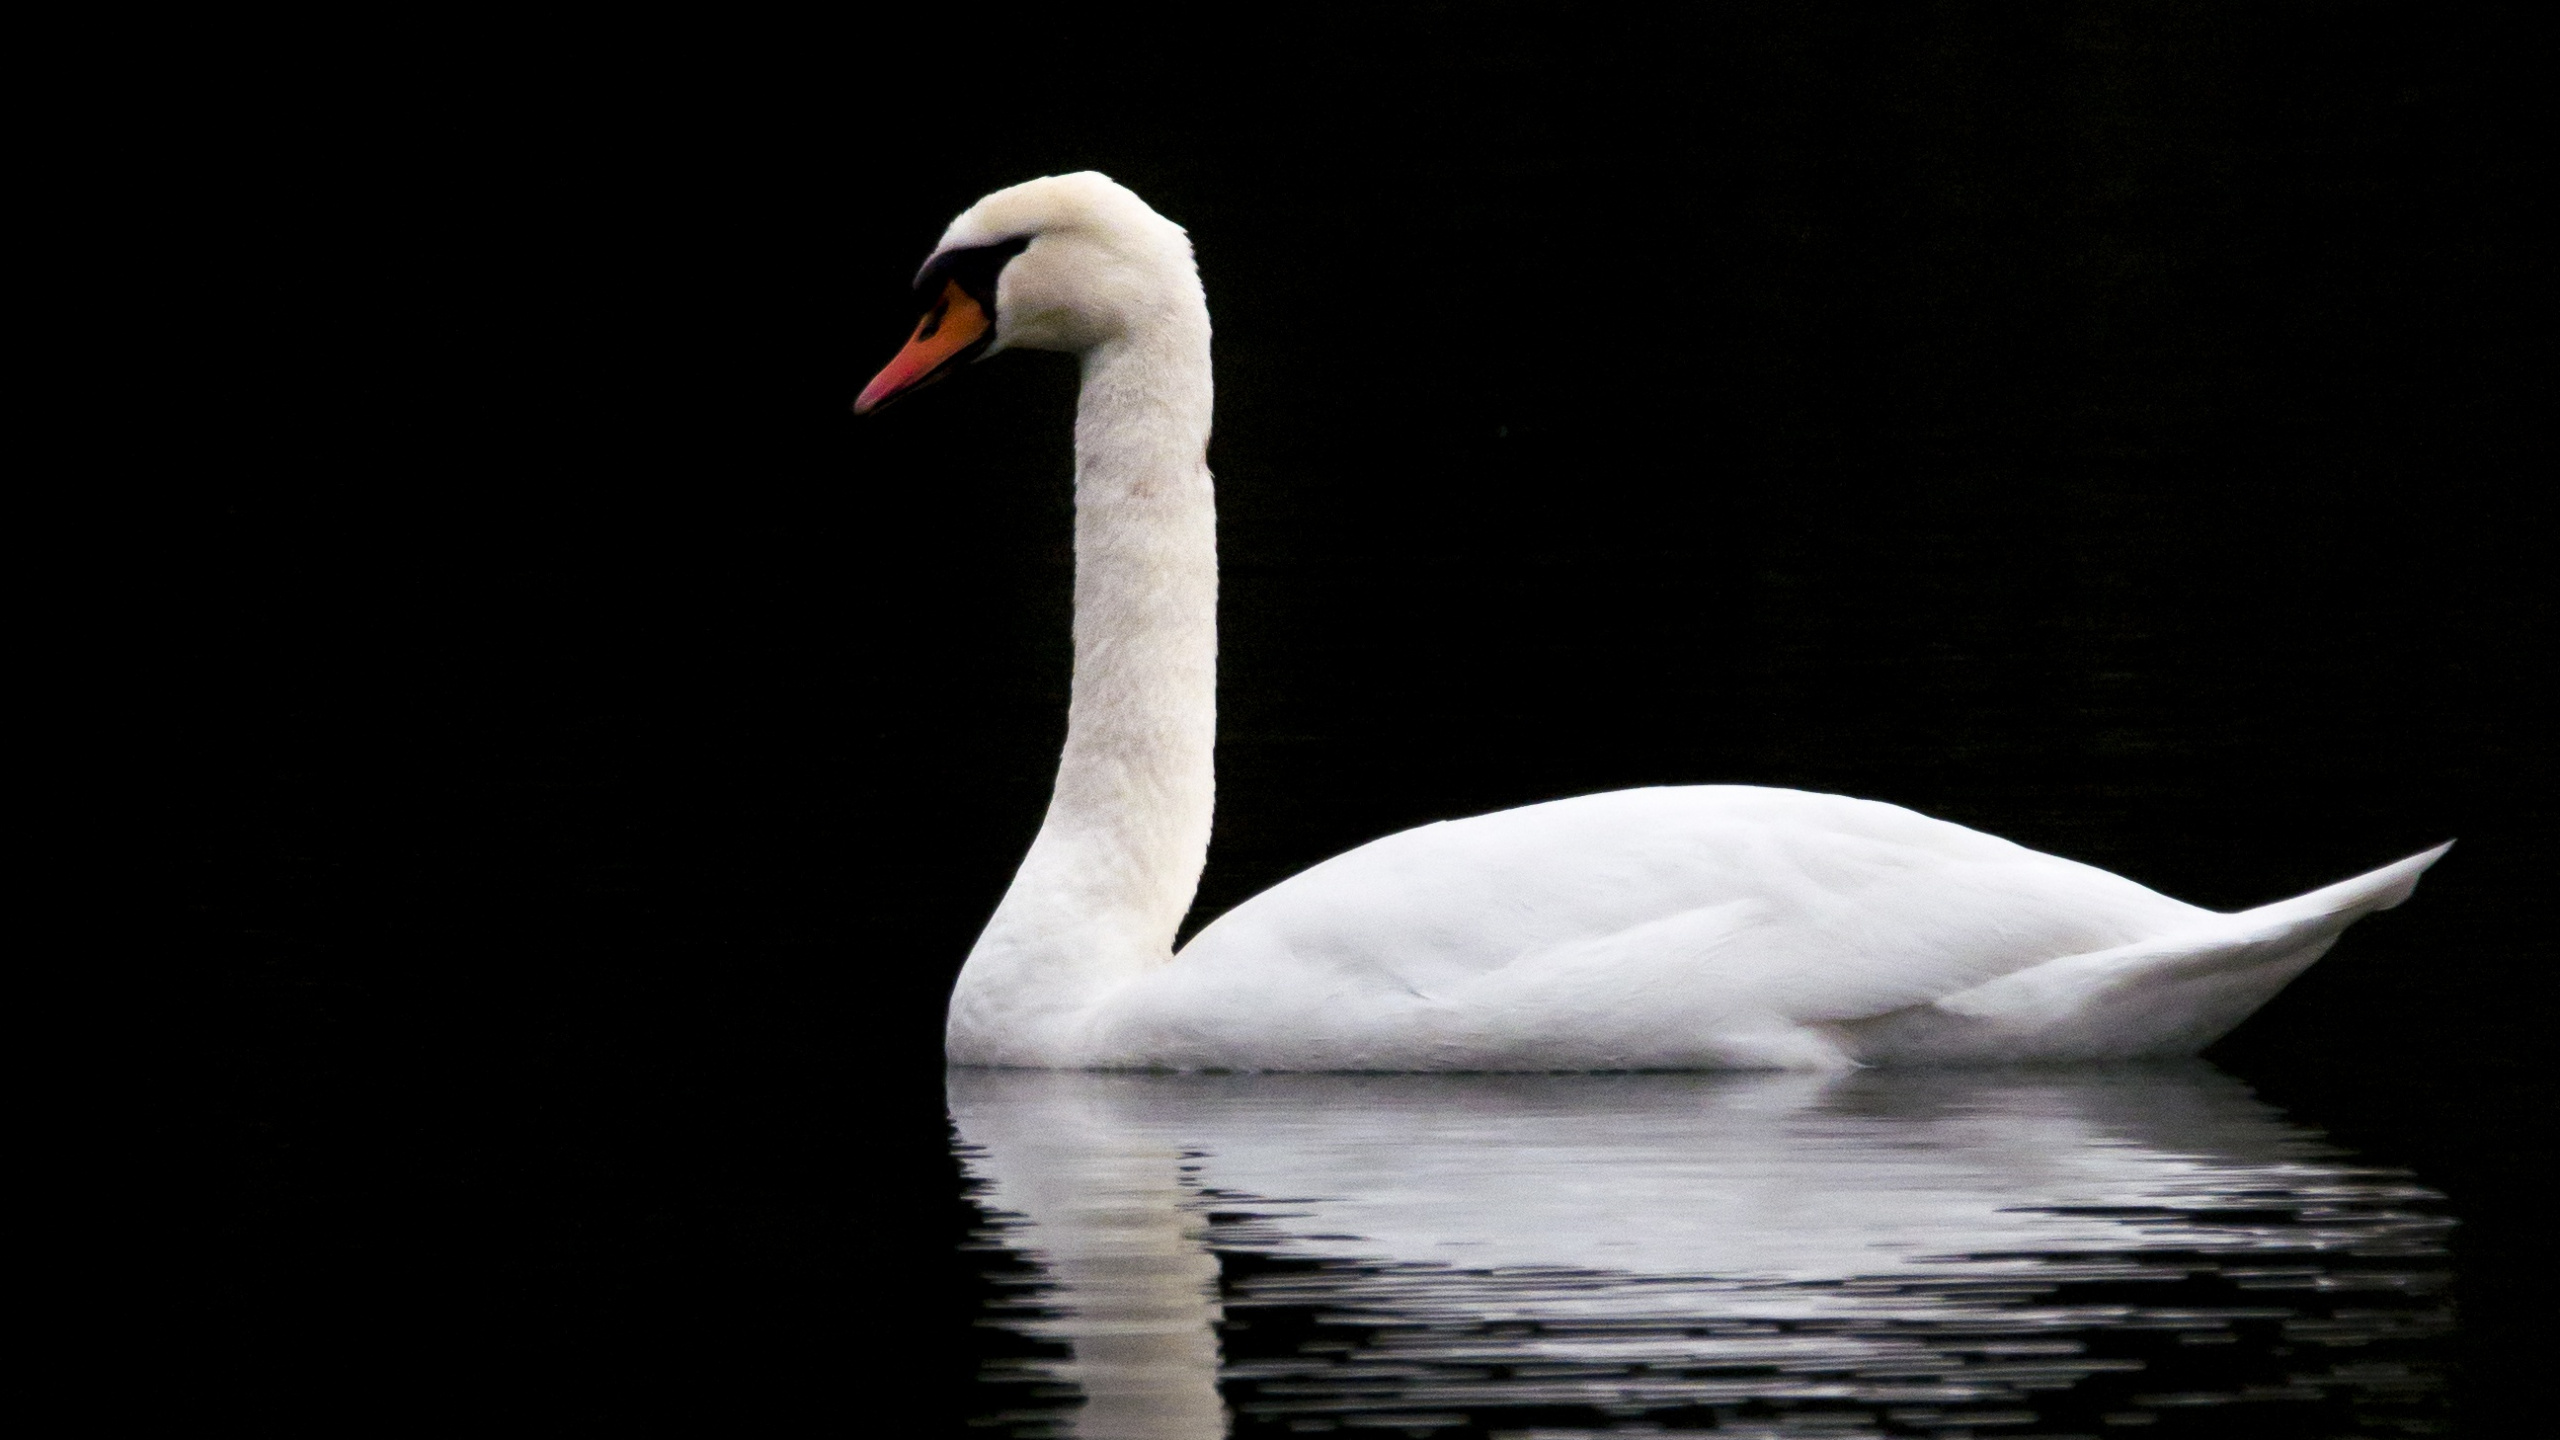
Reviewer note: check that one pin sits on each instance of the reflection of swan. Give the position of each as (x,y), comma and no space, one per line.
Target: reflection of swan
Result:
(1675,1218)
(1752,1178)
(1701,927)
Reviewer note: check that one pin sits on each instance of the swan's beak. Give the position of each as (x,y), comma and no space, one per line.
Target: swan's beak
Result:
(955,328)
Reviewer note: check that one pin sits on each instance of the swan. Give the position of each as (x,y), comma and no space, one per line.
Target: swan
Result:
(1673,928)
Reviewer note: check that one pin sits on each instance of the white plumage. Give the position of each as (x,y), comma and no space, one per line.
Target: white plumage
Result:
(1700,927)
(1712,927)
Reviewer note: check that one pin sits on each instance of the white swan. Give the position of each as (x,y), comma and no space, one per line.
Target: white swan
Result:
(1701,927)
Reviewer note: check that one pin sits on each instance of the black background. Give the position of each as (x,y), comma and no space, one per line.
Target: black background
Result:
(2115,427)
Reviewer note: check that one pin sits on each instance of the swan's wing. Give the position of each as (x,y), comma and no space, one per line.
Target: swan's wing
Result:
(1617,930)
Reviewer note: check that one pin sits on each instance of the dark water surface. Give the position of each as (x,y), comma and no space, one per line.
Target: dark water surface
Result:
(2113,427)
(2118,1250)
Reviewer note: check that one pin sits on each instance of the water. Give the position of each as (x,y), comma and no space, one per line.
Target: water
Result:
(2142,1250)
(2106,427)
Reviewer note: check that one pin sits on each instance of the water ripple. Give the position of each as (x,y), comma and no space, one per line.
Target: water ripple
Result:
(2136,1250)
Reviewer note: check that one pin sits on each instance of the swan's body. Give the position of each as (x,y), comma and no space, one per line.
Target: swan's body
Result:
(1710,927)
(1682,928)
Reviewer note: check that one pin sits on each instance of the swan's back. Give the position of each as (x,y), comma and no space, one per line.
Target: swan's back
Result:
(1654,928)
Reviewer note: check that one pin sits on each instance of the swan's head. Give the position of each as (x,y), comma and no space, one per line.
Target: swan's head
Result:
(1065,262)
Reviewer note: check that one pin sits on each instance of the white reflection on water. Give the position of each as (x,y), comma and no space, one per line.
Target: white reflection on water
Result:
(1910,1252)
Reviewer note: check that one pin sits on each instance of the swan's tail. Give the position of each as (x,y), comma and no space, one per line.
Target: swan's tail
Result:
(2340,905)
(2170,995)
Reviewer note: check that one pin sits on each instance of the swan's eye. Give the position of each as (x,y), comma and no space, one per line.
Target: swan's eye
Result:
(974,270)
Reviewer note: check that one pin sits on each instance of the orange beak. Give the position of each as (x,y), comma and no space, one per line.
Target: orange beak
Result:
(955,326)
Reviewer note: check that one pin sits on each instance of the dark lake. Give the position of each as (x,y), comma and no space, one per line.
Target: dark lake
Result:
(2122,429)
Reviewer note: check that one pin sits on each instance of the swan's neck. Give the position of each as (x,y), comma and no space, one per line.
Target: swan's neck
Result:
(1113,869)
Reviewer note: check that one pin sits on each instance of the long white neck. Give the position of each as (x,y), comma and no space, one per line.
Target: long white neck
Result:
(1118,858)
